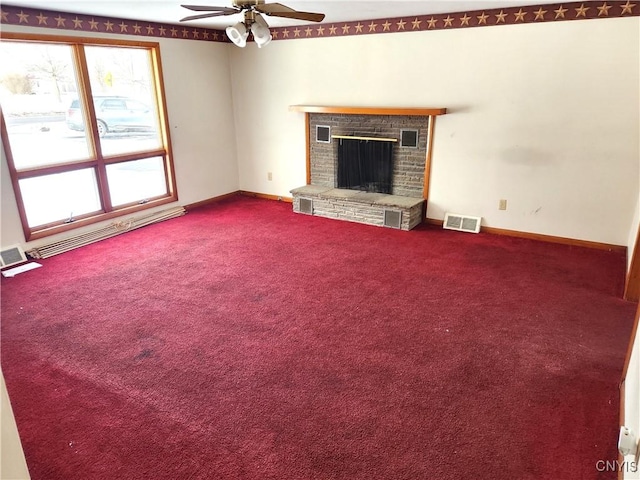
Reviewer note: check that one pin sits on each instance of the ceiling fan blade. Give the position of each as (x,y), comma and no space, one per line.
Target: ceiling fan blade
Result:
(204,15)
(279,10)
(204,8)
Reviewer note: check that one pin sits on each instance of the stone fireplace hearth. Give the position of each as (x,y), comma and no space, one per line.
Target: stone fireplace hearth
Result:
(376,209)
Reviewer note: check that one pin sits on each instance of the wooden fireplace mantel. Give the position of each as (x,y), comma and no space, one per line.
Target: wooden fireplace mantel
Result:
(426,112)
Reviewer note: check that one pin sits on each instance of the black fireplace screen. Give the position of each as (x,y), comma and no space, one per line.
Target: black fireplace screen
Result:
(365,165)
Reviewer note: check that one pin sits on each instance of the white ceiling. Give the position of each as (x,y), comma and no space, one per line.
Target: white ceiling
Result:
(166,11)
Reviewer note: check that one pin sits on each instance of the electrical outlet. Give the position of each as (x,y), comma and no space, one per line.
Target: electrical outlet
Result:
(502,205)
(627,443)
(269,176)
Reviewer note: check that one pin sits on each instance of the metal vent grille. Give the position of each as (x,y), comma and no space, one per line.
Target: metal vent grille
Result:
(393,218)
(463,223)
(306,206)
(12,256)
(323,134)
(409,138)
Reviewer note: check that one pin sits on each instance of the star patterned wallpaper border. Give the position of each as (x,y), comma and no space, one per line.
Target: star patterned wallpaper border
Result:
(11,15)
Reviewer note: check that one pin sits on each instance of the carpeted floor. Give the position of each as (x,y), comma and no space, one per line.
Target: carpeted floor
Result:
(243,341)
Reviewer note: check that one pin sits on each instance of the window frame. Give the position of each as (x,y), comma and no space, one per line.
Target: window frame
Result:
(97,160)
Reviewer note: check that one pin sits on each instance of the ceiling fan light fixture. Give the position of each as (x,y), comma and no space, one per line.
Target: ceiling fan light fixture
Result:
(253,23)
(260,30)
(238,34)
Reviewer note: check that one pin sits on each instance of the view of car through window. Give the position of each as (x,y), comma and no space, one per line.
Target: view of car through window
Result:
(114,114)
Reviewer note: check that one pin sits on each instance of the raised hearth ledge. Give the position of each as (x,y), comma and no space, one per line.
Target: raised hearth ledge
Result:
(358,206)
(358,196)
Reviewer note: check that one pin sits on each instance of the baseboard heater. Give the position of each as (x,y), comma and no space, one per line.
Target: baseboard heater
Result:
(111,230)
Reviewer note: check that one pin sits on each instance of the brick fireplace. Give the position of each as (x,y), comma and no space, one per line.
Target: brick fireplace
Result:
(408,162)
(411,134)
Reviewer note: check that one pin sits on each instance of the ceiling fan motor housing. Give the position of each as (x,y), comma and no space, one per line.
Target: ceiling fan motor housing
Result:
(247,4)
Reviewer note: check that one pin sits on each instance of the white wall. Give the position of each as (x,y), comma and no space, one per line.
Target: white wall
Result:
(197,89)
(543,115)
(12,462)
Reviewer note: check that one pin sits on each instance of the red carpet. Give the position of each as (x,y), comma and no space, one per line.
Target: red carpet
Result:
(243,341)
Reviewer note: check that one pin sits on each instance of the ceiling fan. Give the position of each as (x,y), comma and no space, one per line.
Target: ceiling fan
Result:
(253,20)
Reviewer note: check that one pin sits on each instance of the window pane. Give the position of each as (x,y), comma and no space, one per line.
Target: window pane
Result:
(43,86)
(124,99)
(52,198)
(136,181)
(37,83)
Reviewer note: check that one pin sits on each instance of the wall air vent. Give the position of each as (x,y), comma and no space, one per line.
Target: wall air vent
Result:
(306,206)
(323,134)
(12,255)
(409,138)
(392,218)
(463,223)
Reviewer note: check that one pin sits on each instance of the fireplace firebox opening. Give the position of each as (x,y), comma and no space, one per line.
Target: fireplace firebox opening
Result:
(365,165)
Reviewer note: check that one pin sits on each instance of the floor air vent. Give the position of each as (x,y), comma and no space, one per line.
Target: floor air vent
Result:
(464,223)
(306,206)
(12,256)
(392,218)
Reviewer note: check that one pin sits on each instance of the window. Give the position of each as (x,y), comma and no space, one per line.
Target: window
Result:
(84,130)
